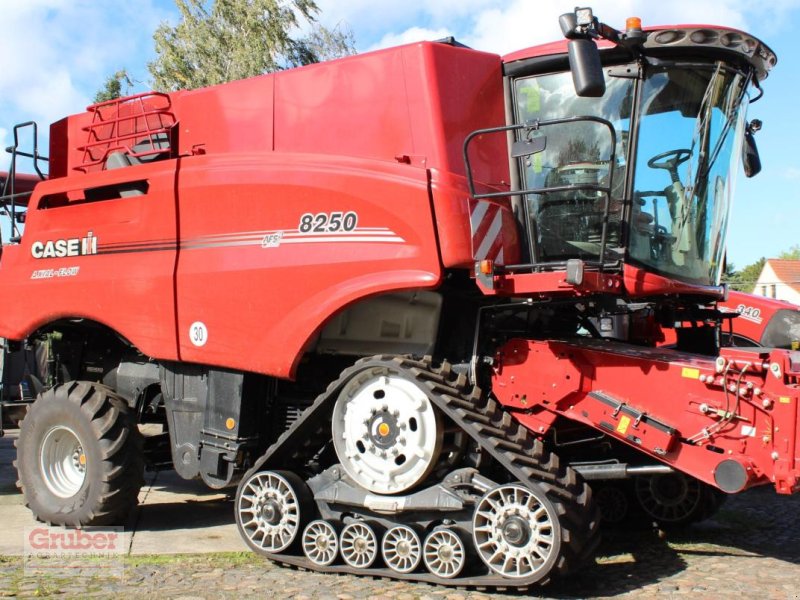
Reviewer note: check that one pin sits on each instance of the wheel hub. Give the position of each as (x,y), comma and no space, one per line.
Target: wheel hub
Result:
(516,531)
(62,461)
(385,431)
(271,512)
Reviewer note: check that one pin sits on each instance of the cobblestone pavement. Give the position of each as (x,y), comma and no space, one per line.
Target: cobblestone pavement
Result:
(750,549)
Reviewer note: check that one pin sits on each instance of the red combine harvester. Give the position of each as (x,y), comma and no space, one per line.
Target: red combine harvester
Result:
(409,301)
(761,321)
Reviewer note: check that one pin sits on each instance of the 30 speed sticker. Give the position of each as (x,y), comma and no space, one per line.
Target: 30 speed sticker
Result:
(198,333)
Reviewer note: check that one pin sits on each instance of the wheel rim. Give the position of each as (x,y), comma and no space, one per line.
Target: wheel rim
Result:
(269,511)
(444,553)
(320,543)
(359,545)
(401,549)
(62,462)
(613,503)
(386,432)
(670,498)
(515,532)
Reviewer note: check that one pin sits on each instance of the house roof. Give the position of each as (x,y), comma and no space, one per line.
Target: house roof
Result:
(787,271)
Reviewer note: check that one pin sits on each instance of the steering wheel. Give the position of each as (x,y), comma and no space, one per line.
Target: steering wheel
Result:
(678,157)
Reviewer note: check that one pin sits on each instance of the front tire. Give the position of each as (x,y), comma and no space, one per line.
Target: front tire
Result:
(79,456)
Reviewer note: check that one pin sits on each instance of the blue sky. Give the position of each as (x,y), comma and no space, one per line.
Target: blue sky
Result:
(57,53)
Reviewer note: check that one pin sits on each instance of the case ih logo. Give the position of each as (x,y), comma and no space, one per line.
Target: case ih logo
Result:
(62,248)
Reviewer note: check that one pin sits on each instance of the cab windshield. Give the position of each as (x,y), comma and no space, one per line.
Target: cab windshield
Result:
(690,137)
(669,214)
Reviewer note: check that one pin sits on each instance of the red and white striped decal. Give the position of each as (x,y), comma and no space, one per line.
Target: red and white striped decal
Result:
(486,222)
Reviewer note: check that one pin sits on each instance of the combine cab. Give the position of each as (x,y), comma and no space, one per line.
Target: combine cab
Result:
(409,302)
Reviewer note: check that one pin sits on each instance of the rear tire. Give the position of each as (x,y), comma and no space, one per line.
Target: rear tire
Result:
(675,500)
(79,456)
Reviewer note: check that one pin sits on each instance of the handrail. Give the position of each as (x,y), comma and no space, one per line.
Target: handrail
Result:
(135,125)
(535,126)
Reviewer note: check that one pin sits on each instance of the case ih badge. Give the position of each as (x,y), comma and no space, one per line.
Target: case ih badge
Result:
(65,247)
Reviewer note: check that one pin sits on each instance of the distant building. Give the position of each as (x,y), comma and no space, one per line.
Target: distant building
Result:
(780,278)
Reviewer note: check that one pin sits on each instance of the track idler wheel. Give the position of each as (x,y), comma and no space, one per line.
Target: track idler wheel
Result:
(444,553)
(271,509)
(516,531)
(401,549)
(358,544)
(386,431)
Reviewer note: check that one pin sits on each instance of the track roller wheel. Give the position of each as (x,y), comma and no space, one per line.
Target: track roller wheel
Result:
(516,531)
(271,507)
(401,549)
(444,553)
(358,544)
(321,542)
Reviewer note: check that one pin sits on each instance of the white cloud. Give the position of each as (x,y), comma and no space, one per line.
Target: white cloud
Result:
(410,35)
(522,23)
(792,174)
(502,26)
(57,53)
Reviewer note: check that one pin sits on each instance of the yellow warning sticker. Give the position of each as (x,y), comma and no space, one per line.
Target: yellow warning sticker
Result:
(532,97)
(624,422)
(785,400)
(537,163)
(690,373)
(796,345)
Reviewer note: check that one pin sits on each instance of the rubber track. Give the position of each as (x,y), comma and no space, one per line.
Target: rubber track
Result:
(496,431)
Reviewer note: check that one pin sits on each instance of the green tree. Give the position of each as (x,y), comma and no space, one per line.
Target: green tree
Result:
(745,280)
(112,88)
(222,40)
(792,253)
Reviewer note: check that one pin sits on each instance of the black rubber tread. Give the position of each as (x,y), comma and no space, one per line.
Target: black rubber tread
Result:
(496,431)
(113,445)
(710,501)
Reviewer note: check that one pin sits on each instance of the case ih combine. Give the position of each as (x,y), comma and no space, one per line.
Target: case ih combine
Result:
(410,301)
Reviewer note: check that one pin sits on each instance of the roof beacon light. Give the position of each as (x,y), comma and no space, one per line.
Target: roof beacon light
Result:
(633,30)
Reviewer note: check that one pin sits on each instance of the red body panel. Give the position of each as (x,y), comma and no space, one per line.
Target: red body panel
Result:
(128,284)
(755,313)
(217,241)
(539,380)
(22,183)
(275,294)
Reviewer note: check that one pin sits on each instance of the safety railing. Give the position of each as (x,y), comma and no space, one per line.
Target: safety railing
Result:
(139,126)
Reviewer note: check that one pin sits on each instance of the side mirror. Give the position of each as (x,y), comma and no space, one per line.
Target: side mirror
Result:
(587,71)
(579,28)
(751,161)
